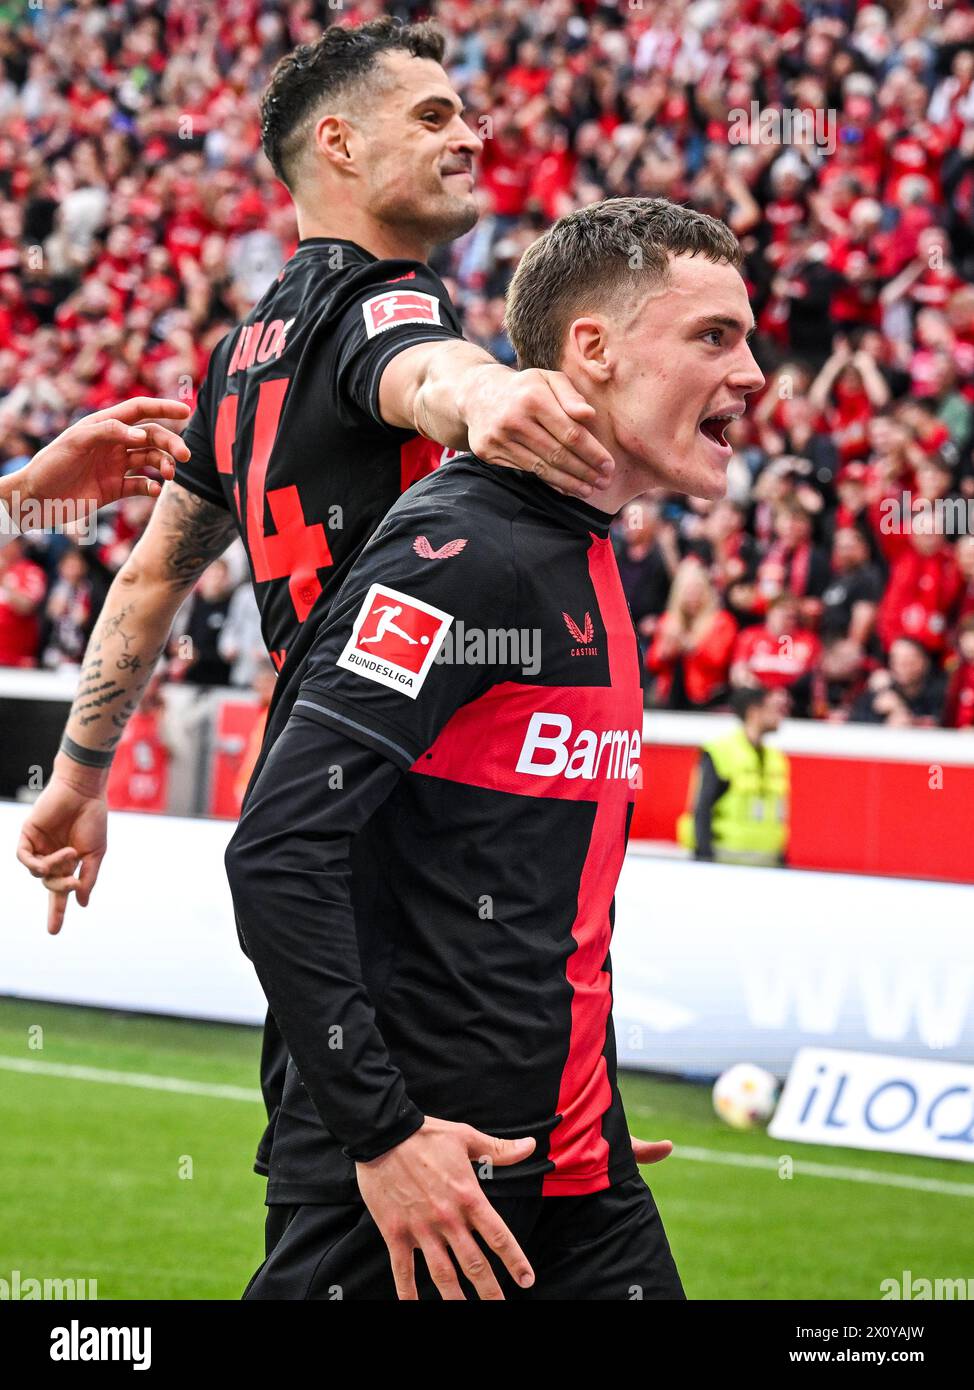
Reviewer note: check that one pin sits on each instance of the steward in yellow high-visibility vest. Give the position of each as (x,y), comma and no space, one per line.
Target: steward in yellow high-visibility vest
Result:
(737,811)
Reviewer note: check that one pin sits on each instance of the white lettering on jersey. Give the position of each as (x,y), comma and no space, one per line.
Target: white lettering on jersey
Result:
(395,639)
(549,750)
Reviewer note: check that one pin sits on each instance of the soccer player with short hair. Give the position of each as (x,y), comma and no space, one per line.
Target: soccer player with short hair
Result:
(425,869)
(317,410)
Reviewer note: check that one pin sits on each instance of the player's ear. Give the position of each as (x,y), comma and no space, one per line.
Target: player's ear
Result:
(588,348)
(333,138)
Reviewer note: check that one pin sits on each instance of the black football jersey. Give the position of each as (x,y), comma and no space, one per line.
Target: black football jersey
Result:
(287,436)
(481,646)
(287,433)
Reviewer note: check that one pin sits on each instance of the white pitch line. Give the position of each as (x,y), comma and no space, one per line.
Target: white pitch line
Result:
(807,1169)
(832,1170)
(147,1082)
(141,1080)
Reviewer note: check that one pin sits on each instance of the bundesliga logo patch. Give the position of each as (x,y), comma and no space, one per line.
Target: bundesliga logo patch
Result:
(395,639)
(382,311)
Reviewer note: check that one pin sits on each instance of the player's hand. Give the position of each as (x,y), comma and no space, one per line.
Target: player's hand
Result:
(98,460)
(650,1150)
(67,824)
(423,1195)
(535,420)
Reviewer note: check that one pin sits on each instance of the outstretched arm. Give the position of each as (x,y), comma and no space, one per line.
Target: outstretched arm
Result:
(67,824)
(93,462)
(455,393)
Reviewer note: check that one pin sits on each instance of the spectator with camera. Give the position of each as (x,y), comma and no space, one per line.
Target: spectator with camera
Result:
(909,692)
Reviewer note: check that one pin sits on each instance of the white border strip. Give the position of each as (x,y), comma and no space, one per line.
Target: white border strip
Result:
(31,684)
(815,738)
(818,739)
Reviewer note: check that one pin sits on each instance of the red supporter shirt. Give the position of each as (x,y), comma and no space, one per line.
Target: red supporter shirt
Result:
(185,233)
(866,169)
(919,150)
(921,596)
(924,365)
(139,779)
(966,605)
(899,244)
(780,19)
(933,288)
(932,440)
(854,301)
(777,662)
(19,632)
(705,669)
(552,178)
(531,81)
(960,698)
(506,169)
(848,423)
(782,214)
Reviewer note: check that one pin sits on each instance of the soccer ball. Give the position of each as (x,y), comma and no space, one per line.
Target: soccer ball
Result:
(745,1096)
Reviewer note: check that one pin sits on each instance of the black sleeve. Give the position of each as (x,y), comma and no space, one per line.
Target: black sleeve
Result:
(387,307)
(363,715)
(868,587)
(199,473)
(289,871)
(710,788)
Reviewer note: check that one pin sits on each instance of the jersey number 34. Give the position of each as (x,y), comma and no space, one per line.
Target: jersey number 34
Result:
(296,551)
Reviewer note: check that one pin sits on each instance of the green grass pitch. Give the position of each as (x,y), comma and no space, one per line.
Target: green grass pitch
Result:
(150,1191)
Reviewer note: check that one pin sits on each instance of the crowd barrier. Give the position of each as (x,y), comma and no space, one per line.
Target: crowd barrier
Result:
(865,799)
(713,964)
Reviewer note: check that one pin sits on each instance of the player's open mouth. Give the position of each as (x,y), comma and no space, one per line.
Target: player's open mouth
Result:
(712,427)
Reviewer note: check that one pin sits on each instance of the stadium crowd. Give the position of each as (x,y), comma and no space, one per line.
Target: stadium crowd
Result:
(139,219)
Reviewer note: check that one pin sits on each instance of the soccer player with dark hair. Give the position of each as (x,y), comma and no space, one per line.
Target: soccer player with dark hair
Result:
(317,411)
(424,872)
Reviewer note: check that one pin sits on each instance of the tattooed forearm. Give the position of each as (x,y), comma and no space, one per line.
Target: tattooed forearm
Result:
(97,720)
(105,698)
(183,536)
(82,700)
(195,532)
(119,720)
(113,625)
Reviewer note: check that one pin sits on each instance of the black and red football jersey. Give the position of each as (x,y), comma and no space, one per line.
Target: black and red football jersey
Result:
(469,729)
(287,433)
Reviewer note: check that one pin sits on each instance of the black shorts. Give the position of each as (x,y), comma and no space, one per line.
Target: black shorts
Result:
(608,1245)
